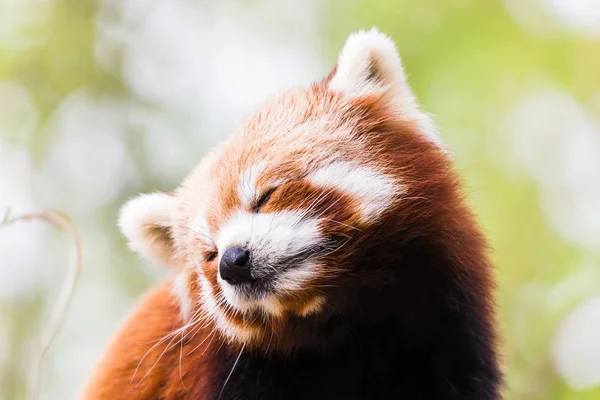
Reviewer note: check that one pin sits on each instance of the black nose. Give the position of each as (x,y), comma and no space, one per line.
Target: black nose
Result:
(235,266)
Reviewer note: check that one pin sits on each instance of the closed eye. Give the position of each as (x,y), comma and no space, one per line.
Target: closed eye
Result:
(263,199)
(210,255)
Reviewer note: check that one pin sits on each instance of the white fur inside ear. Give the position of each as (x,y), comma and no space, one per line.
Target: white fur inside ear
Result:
(369,62)
(146,222)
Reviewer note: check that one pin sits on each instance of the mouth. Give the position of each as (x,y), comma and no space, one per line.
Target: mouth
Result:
(274,287)
(248,312)
(253,290)
(267,274)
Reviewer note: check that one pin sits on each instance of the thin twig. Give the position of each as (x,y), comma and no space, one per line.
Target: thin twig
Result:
(66,292)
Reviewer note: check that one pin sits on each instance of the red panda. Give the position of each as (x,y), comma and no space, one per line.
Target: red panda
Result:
(324,252)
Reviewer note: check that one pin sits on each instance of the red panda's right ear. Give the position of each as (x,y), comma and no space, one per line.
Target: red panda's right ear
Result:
(369,64)
(147,221)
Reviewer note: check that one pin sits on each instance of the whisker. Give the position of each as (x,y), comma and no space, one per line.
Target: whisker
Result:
(212,335)
(314,203)
(196,318)
(232,368)
(199,233)
(202,342)
(329,207)
(155,363)
(341,223)
(180,361)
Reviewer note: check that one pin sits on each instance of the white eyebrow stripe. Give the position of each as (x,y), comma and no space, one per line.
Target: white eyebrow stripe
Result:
(247,190)
(373,189)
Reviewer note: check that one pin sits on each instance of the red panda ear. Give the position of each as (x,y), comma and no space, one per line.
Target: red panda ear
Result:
(147,221)
(369,64)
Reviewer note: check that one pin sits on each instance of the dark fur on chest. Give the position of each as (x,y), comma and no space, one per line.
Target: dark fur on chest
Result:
(427,337)
(369,368)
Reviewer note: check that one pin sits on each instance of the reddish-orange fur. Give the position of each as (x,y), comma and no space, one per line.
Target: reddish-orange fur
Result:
(430,180)
(420,270)
(136,367)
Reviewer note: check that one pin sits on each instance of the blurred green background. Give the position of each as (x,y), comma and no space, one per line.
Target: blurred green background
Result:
(102,99)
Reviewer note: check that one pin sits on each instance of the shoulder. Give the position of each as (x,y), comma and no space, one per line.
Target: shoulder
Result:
(131,355)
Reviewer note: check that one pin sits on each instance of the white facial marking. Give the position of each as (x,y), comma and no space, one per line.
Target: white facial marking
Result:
(181,291)
(373,189)
(229,329)
(268,304)
(236,301)
(295,279)
(207,294)
(271,235)
(247,185)
(289,281)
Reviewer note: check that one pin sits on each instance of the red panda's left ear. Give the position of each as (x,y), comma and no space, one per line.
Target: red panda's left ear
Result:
(370,64)
(147,221)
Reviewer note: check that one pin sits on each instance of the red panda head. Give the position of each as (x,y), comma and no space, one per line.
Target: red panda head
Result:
(314,201)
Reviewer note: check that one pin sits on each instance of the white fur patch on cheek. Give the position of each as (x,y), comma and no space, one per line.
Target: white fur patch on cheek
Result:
(374,190)
(295,279)
(247,191)
(231,331)
(181,291)
(269,304)
(270,237)
(207,295)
